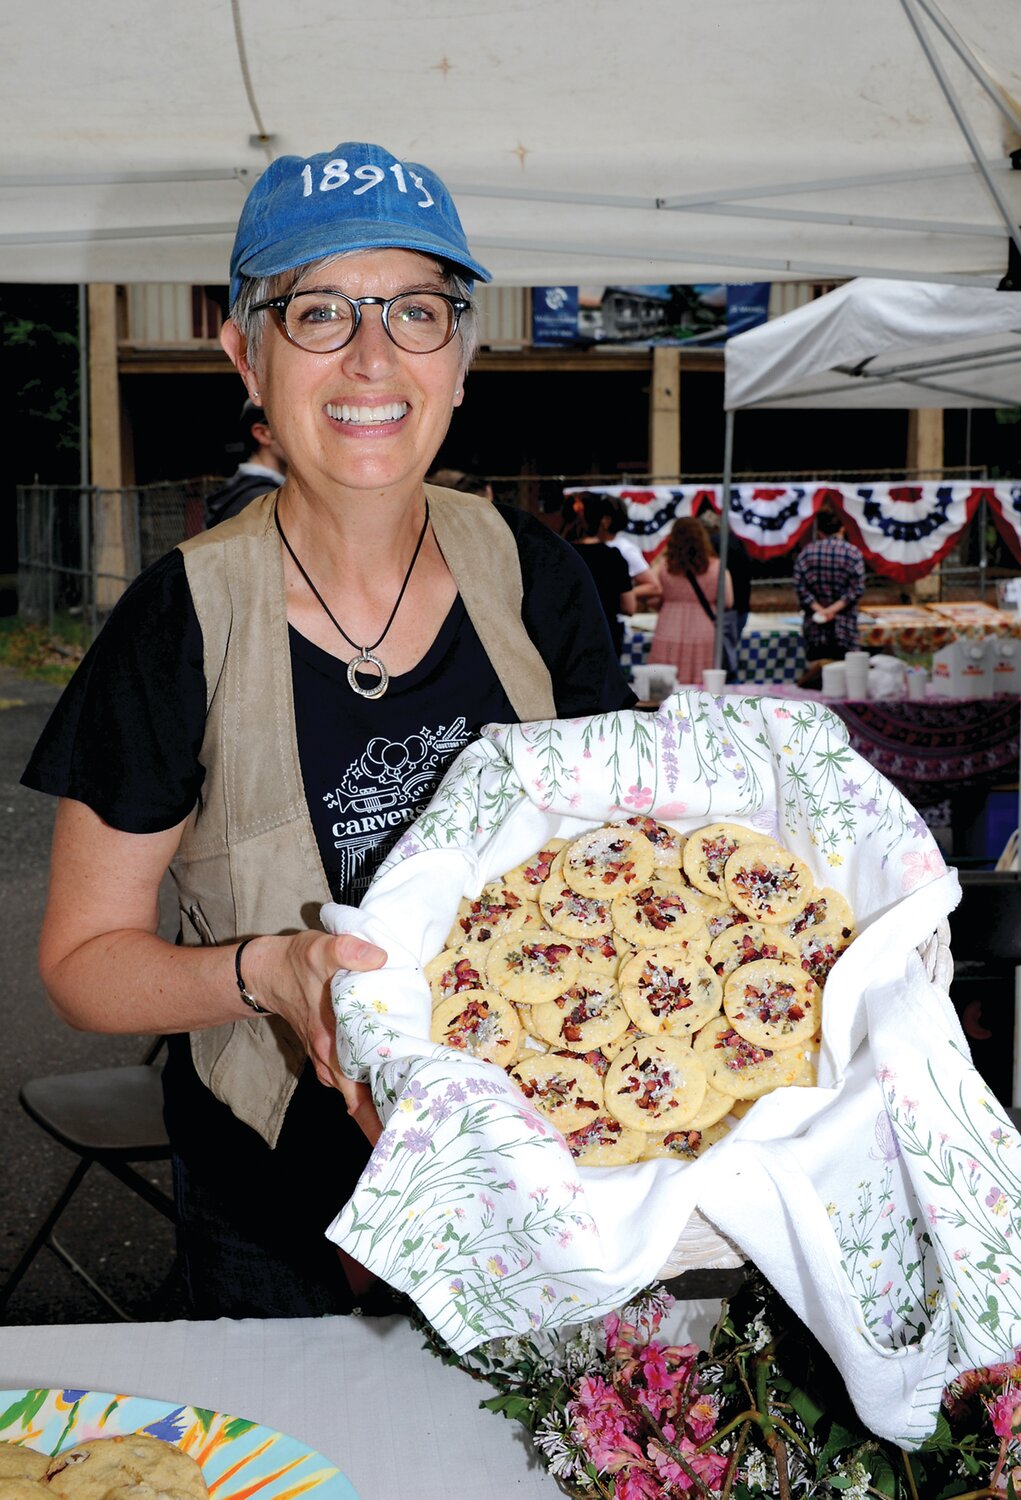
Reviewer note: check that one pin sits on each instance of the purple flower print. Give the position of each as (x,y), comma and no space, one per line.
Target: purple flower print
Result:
(417,1092)
(417,1141)
(496,1266)
(456,1286)
(440,1110)
(456,1093)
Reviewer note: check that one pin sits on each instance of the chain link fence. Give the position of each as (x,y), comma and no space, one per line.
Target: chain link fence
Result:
(79,546)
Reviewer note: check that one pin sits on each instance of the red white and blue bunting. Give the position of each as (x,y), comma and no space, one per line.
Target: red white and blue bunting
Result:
(904,530)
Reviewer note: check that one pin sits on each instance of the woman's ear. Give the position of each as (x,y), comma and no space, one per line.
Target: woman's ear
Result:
(235,346)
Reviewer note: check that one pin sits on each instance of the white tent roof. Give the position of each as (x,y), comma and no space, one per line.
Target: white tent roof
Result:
(877,343)
(585,140)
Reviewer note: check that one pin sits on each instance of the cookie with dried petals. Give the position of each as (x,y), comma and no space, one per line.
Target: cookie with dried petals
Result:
(605,1142)
(670,990)
(655,1085)
(766,882)
(479,1023)
(686,1143)
(771,1004)
(707,851)
(607,860)
(566,1090)
(585,1017)
(532,965)
(748,942)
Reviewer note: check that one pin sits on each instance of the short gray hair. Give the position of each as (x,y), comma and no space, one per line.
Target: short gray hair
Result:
(256,289)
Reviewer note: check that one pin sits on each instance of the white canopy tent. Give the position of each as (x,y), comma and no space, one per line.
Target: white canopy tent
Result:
(876,343)
(662,141)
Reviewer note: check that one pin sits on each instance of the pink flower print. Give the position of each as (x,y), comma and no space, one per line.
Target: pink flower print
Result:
(564,1238)
(918,868)
(887,1211)
(1003,1278)
(495,1266)
(487,1201)
(533,1121)
(586,754)
(960,1255)
(638,796)
(671,810)
(886,1289)
(931,1214)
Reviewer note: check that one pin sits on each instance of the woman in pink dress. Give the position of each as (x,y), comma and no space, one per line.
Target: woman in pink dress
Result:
(686,630)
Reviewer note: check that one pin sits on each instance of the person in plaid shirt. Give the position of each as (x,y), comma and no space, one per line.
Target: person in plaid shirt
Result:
(829,579)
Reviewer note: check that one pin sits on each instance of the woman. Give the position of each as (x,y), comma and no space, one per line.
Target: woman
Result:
(609,570)
(274,701)
(688,572)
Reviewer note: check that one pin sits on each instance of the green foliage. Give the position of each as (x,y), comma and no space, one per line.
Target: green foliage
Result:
(39,344)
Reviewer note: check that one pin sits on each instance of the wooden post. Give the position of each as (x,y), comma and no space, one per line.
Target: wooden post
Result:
(107,469)
(665,414)
(925,457)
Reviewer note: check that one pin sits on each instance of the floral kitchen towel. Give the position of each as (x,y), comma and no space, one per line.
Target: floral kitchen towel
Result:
(473,1205)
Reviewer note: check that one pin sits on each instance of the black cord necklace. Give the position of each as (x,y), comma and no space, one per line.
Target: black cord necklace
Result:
(365,657)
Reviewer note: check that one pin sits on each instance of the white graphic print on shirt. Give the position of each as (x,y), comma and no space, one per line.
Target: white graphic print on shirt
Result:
(383,791)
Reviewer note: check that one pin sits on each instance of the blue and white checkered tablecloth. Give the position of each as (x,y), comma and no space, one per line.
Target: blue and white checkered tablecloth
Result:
(770,649)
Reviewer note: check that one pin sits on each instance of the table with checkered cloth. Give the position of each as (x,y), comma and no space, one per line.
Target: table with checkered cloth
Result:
(770,649)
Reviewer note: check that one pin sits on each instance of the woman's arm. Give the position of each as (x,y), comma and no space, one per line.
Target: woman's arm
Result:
(628,602)
(105,969)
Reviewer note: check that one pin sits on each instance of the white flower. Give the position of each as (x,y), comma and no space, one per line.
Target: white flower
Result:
(759,1334)
(760,1470)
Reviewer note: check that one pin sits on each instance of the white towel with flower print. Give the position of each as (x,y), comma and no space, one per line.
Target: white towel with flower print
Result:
(882,1204)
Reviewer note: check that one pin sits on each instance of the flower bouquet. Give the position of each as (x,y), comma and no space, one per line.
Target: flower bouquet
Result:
(615,1412)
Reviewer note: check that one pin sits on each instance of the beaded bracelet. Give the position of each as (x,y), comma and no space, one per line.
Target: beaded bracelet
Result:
(249,1000)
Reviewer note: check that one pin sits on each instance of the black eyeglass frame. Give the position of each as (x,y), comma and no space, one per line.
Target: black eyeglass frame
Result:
(279,305)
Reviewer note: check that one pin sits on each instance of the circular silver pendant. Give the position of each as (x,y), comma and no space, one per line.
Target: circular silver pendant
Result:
(357,664)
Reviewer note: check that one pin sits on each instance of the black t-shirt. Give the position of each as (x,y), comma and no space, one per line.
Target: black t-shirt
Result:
(126,734)
(612,577)
(125,739)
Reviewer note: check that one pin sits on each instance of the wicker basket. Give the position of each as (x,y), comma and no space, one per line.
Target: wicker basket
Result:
(701,1246)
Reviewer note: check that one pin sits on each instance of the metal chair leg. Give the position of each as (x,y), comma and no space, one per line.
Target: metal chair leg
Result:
(43,1234)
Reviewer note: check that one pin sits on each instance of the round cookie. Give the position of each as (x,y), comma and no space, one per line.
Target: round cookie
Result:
(660,912)
(19,1462)
(712,1109)
(575,916)
(566,1090)
(747,942)
(528,878)
(601,956)
(91,1468)
(605,1142)
(607,860)
(494,911)
(707,851)
(532,966)
(771,1004)
(818,947)
(666,843)
(736,1066)
(669,990)
(582,1019)
(594,1059)
(611,1050)
(686,1143)
(655,1085)
(824,908)
(719,915)
(452,972)
(767,883)
(479,1023)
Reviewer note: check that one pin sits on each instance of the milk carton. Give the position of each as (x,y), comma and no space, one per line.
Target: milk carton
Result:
(1006,664)
(964,669)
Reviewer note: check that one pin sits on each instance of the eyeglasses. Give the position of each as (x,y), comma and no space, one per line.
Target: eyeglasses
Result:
(324,321)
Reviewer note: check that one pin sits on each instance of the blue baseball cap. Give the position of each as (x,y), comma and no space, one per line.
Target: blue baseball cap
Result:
(355,197)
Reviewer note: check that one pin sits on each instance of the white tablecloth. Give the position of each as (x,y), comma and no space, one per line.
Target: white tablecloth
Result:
(362,1392)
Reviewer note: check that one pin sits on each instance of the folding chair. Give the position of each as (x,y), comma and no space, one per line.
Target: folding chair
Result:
(110,1117)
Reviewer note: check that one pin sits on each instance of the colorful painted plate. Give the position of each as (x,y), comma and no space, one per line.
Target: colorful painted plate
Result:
(239,1459)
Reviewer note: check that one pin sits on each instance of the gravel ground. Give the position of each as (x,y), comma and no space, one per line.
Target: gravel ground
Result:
(127,1246)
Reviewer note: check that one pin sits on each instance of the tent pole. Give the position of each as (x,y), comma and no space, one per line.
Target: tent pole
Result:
(728,467)
(969,135)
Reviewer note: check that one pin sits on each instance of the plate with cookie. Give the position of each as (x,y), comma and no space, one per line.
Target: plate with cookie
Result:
(87,1445)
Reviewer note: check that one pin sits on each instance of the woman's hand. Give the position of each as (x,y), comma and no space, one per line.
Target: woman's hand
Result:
(291,977)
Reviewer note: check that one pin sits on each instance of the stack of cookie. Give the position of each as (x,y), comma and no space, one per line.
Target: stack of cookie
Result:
(135,1466)
(643,989)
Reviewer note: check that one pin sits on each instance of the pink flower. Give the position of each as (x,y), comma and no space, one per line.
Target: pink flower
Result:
(701,1418)
(1005,1412)
(639,796)
(919,868)
(603,1425)
(654,1368)
(710,1467)
(637,1484)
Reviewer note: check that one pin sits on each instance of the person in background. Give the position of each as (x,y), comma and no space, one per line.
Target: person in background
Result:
(609,570)
(644,582)
(829,579)
(688,572)
(467,484)
(263,467)
(740,569)
(273,702)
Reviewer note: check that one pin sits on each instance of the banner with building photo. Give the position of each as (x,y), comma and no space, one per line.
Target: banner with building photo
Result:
(705,314)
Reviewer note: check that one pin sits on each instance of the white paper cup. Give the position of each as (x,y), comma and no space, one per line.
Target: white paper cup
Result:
(714,679)
(916,684)
(834,679)
(857,676)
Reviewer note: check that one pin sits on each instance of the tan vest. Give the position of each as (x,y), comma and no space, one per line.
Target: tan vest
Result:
(248,861)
